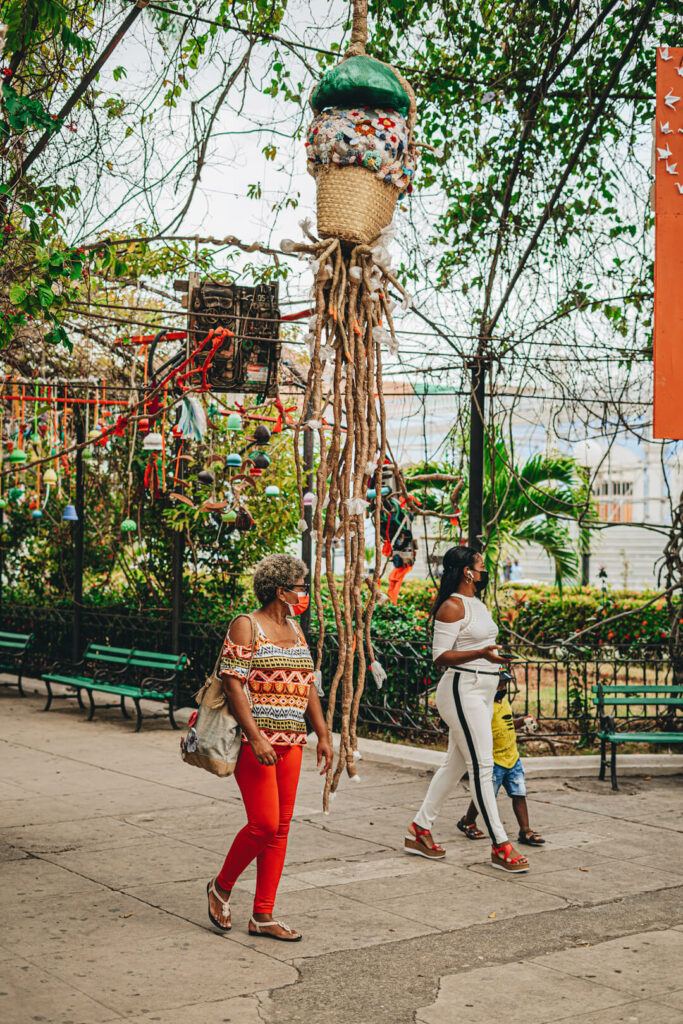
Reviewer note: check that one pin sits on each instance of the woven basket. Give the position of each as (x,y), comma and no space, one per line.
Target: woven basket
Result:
(353,204)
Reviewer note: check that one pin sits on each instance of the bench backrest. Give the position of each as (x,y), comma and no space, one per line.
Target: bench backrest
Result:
(634,700)
(103,653)
(15,641)
(628,688)
(157,661)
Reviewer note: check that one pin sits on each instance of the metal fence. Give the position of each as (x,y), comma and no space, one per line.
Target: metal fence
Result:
(559,690)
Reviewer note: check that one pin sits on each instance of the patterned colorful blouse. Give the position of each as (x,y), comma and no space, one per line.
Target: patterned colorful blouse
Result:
(280,679)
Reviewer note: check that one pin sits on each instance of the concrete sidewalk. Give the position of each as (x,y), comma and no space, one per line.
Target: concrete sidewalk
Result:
(107,840)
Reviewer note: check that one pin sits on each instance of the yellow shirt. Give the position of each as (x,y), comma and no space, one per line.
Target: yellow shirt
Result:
(505,751)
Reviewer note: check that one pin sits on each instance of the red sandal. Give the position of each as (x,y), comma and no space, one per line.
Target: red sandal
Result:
(506,858)
(417,842)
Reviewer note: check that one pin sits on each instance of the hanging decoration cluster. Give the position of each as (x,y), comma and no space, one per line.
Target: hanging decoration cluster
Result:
(361,152)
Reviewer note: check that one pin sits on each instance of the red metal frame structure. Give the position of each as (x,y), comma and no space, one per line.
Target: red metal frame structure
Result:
(668,191)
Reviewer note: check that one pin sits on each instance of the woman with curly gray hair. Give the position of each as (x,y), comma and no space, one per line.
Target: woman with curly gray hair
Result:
(267,672)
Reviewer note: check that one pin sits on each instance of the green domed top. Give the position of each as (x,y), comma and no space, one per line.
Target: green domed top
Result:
(360,82)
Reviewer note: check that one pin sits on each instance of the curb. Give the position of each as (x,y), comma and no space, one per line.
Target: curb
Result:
(401,755)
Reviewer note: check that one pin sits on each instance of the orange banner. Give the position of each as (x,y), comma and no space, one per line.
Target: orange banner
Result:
(668,159)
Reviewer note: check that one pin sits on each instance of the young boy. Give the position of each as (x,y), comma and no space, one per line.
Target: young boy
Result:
(507,770)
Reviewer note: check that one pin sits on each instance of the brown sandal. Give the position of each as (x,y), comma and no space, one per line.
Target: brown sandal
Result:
(471,831)
(506,858)
(417,842)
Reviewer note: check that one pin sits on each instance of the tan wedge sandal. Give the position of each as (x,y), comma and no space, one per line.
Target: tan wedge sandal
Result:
(506,858)
(420,842)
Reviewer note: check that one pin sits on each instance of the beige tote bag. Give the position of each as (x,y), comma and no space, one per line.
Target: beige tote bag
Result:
(214,739)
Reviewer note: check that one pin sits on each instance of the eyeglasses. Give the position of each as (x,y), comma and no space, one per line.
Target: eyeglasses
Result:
(299,588)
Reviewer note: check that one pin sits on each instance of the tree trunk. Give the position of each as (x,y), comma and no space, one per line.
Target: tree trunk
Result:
(673,560)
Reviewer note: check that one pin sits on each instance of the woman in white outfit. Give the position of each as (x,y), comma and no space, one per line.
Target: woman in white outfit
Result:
(464,645)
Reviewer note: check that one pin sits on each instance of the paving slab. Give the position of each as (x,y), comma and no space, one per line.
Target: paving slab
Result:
(646,965)
(91,834)
(107,841)
(143,862)
(37,879)
(240,1010)
(30,993)
(9,852)
(307,842)
(519,993)
(328,922)
(187,900)
(598,881)
(646,1012)
(160,976)
(81,920)
(674,1000)
(468,897)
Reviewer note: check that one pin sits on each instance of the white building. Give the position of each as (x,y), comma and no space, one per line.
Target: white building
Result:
(633,479)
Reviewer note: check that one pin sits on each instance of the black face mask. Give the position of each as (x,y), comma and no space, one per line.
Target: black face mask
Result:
(481,584)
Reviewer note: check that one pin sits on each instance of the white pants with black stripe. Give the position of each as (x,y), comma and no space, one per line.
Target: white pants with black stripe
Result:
(465,702)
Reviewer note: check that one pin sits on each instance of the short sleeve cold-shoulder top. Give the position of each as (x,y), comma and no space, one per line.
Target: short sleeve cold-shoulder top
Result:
(280,679)
(476,630)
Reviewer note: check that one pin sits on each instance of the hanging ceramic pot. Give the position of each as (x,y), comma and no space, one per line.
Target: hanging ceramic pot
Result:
(233,461)
(262,434)
(234,422)
(243,520)
(205,478)
(128,525)
(70,515)
(153,442)
(261,460)
(49,478)
(272,491)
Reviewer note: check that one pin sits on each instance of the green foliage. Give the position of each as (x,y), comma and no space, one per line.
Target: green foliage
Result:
(32,24)
(49,46)
(528,503)
(134,570)
(23,112)
(507,90)
(544,616)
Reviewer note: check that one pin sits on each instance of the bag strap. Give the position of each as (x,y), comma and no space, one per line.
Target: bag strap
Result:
(252,620)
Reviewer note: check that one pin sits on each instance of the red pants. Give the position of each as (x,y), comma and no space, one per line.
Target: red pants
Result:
(269,792)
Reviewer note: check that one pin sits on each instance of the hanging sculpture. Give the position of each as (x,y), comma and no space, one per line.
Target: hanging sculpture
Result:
(362,154)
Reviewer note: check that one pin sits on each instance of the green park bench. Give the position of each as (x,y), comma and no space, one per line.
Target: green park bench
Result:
(632,695)
(13,650)
(123,672)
